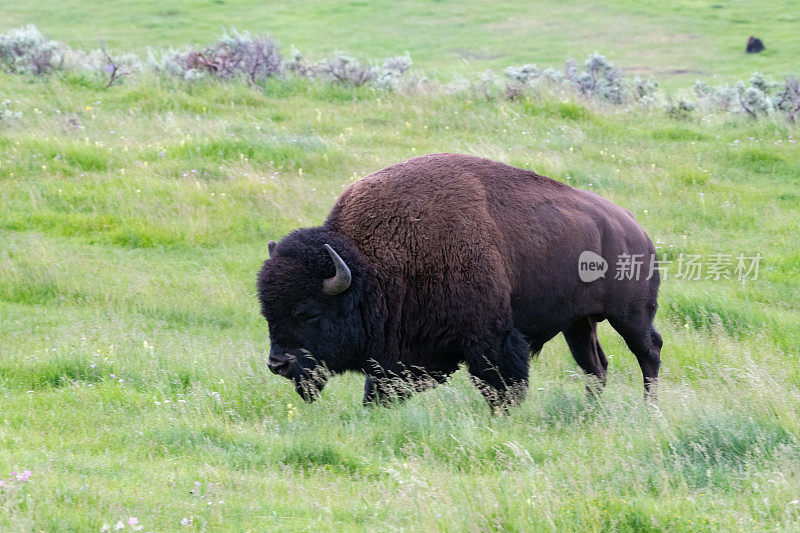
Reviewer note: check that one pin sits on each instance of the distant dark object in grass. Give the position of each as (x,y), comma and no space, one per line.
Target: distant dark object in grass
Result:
(754,45)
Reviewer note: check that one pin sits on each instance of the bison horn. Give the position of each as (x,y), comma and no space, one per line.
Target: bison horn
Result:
(338,283)
(271,247)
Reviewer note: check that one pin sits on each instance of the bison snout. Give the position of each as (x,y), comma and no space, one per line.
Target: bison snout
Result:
(280,363)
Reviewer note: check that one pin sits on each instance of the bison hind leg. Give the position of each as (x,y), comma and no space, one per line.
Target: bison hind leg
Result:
(645,342)
(582,340)
(499,368)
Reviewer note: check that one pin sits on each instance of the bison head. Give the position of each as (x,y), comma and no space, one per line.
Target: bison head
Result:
(310,291)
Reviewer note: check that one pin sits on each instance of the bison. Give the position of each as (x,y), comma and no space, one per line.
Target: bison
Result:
(754,45)
(450,259)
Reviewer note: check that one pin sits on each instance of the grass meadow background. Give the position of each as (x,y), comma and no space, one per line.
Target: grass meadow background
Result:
(133,219)
(675,41)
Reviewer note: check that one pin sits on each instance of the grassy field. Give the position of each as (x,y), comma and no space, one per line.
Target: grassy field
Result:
(677,42)
(133,219)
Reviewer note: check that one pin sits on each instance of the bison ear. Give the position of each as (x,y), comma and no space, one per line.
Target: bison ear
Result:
(341,280)
(271,247)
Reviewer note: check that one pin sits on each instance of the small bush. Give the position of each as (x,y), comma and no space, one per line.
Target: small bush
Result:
(297,65)
(753,100)
(388,76)
(235,55)
(350,72)
(527,78)
(643,88)
(712,99)
(25,51)
(788,99)
(346,70)
(681,109)
(600,80)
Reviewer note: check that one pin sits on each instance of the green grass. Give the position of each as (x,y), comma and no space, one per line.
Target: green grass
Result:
(133,220)
(676,42)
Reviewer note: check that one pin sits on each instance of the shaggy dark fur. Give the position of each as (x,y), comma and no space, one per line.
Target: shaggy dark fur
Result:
(754,45)
(455,259)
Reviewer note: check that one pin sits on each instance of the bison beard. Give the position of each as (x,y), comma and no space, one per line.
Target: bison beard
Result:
(448,259)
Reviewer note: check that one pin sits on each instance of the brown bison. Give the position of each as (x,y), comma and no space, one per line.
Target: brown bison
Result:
(754,45)
(447,259)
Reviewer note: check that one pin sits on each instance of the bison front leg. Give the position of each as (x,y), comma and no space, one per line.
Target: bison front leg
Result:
(391,389)
(370,394)
(499,368)
(386,391)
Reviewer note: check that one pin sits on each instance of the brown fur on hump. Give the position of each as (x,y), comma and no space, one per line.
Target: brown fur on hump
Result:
(404,218)
(416,208)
